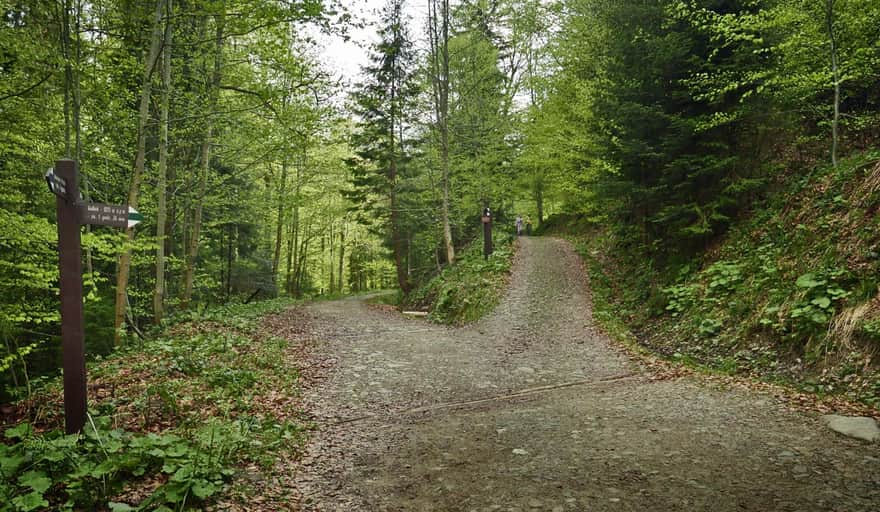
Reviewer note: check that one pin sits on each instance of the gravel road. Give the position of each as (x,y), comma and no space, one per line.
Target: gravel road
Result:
(533,409)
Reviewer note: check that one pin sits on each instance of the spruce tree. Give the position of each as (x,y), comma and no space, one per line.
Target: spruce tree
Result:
(383,104)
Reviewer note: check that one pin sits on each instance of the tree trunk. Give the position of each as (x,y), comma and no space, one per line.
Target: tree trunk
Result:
(161,209)
(124,262)
(835,73)
(332,285)
(279,226)
(340,287)
(194,240)
(229,261)
(440,80)
(289,274)
(301,264)
(396,241)
(539,199)
(72,79)
(68,72)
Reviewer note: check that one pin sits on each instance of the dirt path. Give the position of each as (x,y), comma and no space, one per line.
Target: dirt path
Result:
(533,409)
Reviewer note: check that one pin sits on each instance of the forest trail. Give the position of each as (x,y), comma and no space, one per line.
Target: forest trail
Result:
(534,409)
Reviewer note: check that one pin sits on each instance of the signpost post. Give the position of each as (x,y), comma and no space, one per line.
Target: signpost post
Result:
(487,232)
(63,181)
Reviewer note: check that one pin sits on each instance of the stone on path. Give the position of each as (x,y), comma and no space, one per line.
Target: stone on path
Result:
(857,427)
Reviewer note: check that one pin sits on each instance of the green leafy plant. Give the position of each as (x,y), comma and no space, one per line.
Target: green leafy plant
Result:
(68,472)
(709,327)
(466,291)
(680,297)
(871,329)
(724,277)
(820,293)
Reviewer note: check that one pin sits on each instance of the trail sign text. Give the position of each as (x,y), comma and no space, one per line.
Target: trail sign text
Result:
(57,184)
(104,214)
(116,215)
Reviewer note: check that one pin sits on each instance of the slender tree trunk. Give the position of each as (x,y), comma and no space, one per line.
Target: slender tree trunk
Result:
(301,264)
(230,234)
(539,199)
(161,209)
(124,262)
(439,28)
(288,276)
(835,73)
(194,240)
(68,72)
(291,273)
(332,284)
(76,96)
(396,240)
(279,226)
(340,286)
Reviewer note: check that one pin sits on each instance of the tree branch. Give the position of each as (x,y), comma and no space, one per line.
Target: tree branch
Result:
(27,89)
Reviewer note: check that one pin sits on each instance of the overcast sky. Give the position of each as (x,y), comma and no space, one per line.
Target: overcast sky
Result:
(345,58)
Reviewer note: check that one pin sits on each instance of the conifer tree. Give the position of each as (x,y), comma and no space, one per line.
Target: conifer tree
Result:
(383,104)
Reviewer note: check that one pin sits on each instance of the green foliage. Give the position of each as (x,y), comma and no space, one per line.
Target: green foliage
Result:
(67,472)
(238,315)
(658,115)
(808,315)
(193,416)
(724,277)
(872,330)
(789,294)
(471,288)
(709,327)
(680,297)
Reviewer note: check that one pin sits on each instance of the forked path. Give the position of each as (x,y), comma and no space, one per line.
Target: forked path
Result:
(533,409)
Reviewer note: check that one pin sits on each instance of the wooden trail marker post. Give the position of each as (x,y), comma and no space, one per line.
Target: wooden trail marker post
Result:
(487,232)
(63,181)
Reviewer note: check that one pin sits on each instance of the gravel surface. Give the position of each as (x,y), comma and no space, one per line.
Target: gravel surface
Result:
(533,409)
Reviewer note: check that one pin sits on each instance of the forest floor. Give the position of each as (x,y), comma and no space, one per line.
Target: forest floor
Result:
(533,408)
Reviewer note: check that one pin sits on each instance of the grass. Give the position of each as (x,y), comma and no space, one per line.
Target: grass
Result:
(174,421)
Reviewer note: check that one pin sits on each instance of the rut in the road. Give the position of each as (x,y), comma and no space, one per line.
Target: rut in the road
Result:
(507,415)
(507,396)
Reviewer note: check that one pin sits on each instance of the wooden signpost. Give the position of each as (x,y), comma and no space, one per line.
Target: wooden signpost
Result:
(63,181)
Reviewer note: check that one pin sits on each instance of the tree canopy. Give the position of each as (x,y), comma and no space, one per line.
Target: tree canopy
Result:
(259,173)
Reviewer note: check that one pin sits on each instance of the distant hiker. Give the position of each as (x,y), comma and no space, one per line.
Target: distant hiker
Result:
(528,226)
(519,225)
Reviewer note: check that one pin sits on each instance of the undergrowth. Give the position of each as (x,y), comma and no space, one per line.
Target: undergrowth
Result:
(789,295)
(469,289)
(172,420)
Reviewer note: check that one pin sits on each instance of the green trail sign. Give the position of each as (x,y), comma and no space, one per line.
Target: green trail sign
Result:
(115,215)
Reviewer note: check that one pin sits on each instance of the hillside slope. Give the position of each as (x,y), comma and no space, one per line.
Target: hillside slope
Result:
(789,294)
